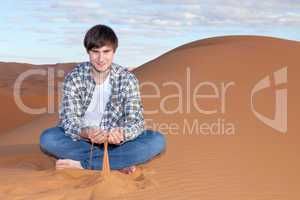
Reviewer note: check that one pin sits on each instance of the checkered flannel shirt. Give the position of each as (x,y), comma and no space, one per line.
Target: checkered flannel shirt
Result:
(124,108)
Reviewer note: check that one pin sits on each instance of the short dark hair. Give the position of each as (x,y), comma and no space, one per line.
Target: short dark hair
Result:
(99,36)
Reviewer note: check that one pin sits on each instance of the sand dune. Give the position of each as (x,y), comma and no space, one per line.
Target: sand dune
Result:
(216,147)
(34,92)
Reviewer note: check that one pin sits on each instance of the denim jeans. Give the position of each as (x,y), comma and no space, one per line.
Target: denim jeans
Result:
(54,142)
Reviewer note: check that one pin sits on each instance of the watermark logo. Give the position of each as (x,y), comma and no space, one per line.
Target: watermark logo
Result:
(279,122)
(186,99)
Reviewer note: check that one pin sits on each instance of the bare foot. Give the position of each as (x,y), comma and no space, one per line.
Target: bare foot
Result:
(128,170)
(68,163)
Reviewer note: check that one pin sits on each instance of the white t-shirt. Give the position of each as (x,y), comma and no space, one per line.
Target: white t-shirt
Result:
(94,113)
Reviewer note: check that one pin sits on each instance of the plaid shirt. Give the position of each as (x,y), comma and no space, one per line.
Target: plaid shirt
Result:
(124,108)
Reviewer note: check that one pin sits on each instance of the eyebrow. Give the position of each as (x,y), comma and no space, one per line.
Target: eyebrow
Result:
(96,50)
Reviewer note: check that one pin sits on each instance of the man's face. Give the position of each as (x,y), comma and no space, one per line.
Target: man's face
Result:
(101,58)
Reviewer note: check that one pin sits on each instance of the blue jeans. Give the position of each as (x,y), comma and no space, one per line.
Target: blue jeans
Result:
(54,142)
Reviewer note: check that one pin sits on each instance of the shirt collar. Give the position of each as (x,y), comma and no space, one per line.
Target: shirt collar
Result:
(113,74)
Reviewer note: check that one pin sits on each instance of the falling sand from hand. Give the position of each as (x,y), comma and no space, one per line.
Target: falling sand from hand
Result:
(119,184)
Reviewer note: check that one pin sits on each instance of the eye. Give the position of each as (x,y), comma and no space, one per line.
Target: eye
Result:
(94,50)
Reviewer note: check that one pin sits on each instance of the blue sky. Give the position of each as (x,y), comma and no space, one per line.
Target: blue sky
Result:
(46,32)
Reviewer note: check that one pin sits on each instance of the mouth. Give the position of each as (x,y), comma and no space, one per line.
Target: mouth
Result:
(100,65)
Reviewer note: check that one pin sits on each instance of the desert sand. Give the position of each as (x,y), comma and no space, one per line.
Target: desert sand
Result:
(216,147)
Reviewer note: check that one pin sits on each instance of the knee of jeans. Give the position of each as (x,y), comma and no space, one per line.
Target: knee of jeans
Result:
(158,142)
(48,140)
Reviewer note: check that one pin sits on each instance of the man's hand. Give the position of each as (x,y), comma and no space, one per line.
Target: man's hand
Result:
(95,135)
(116,136)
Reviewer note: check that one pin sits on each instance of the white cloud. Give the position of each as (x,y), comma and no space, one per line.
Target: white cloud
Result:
(173,17)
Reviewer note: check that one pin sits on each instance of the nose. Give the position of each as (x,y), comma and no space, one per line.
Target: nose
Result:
(100,57)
